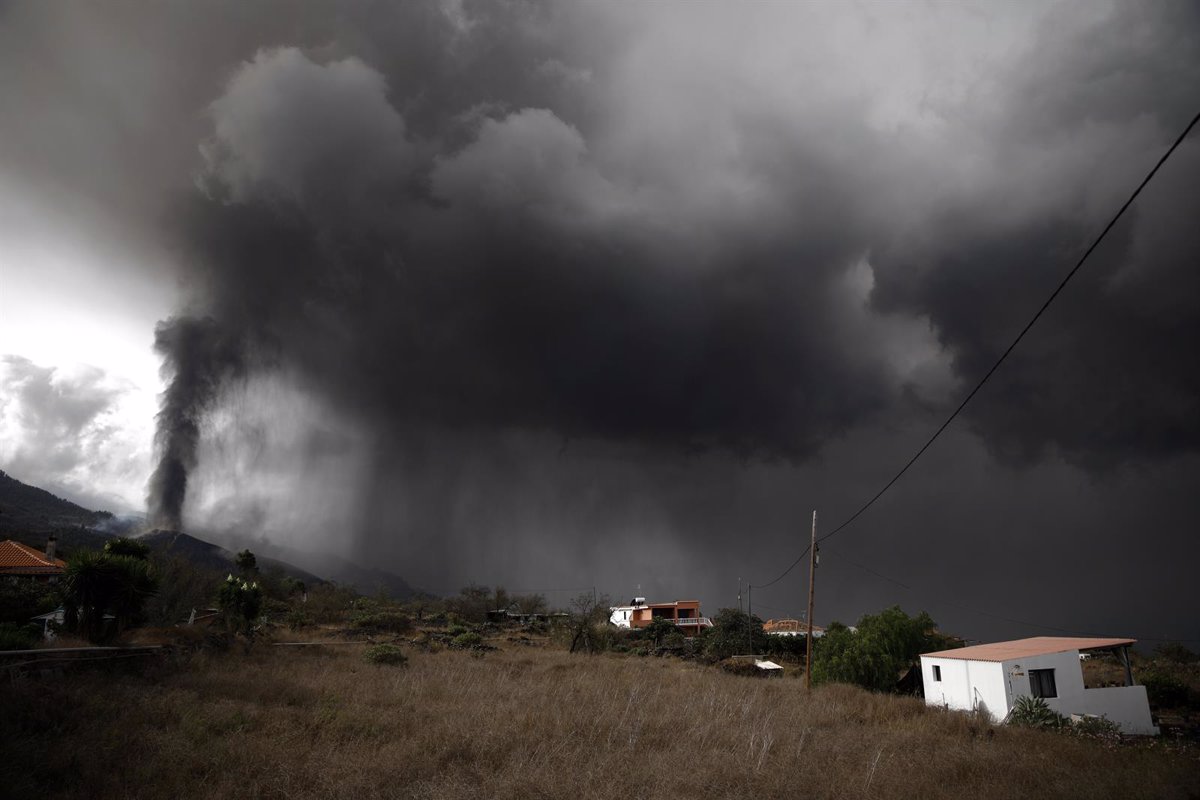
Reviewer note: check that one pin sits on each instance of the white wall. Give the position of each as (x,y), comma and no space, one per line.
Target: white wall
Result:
(1127,706)
(994,687)
(965,685)
(621,615)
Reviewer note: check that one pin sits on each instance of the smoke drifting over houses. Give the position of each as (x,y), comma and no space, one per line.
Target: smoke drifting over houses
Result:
(496,291)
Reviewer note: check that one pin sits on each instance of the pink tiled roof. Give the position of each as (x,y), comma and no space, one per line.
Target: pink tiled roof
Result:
(1024,648)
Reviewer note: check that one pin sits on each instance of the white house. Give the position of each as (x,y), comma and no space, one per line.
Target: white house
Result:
(990,678)
(622,616)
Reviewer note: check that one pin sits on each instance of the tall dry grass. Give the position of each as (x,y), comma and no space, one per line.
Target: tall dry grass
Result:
(526,723)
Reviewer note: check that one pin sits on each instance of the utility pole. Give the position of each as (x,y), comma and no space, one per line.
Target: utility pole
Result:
(812,574)
(749,616)
(739,595)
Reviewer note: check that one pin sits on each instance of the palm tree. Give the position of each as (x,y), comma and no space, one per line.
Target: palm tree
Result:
(135,583)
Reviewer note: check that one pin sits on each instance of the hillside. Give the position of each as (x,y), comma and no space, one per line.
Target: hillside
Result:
(208,556)
(29,514)
(335,568)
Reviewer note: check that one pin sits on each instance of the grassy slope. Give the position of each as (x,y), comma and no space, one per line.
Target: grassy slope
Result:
(527,722)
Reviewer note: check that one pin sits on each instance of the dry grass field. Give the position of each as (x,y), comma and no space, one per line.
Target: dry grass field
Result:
(525,722)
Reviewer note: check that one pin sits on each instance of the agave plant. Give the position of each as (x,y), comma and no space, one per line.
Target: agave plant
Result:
(1032,712)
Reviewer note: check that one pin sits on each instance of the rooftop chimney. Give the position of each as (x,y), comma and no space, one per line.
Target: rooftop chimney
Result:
(51,547)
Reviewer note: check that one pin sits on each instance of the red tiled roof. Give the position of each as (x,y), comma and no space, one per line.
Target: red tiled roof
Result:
(1024,648)
(788,625)
(19,559)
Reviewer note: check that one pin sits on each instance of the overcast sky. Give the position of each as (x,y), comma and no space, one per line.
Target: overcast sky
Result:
(561,295)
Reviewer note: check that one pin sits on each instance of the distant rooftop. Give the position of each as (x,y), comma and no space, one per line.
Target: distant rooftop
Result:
(789,626)
(1024,648)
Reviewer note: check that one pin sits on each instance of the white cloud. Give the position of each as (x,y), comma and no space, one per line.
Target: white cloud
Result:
(80,431)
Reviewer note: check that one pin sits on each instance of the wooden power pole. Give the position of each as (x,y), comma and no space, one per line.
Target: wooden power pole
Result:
(812,574)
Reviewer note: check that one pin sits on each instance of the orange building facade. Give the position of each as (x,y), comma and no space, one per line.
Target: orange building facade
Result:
(683,613)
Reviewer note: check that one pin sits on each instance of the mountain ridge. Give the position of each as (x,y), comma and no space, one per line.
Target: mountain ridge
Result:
(30,514)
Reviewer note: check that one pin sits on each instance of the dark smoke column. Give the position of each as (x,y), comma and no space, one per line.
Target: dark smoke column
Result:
(198,358)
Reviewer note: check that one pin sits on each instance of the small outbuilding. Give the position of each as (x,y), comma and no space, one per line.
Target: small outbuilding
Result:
(990,678)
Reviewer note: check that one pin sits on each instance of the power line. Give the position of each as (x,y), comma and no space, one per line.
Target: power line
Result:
(1003,356)
(1062,284)
(785,572)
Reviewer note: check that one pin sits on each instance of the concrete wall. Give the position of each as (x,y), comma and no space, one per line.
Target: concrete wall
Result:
(621,615)
(965,685)
(994,687)
(1127,706)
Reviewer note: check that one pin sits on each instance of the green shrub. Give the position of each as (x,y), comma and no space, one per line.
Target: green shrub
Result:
(1099,728)
(1176,653)
(297,619)
(20,600)
(382,621)
(16,637)
(1032,712)
(466,641)
(457,630)
(1165,691)
(272,605)
(386,654)
(734,632)
(741,666)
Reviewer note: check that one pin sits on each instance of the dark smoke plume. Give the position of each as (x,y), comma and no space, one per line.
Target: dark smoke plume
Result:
(198,358)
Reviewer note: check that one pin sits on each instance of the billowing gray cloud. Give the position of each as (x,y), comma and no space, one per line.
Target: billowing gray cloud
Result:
(573,279)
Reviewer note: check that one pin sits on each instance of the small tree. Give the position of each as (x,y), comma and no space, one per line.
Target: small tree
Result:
(246,562)
(184,586)
(734,632)
(884,645)
(530,603)
(240,602)
(587,613)
(658,630)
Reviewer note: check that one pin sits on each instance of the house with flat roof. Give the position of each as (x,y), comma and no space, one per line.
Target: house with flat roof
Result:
(990,678)
(638,614)
(22,562)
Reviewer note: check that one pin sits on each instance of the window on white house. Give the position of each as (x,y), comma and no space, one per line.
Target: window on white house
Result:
(1041,683)
(937,672)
